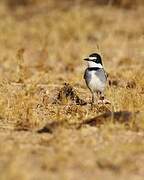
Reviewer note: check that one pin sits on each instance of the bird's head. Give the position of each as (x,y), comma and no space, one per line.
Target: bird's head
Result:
(94,60)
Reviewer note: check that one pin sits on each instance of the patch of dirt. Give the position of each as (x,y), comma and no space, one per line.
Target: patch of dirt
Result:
(67,93)
(50,127)
(124,117)
(119,116)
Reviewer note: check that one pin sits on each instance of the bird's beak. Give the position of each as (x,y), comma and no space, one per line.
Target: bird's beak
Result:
(86,59)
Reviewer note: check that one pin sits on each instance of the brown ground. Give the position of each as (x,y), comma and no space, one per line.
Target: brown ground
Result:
(42,47)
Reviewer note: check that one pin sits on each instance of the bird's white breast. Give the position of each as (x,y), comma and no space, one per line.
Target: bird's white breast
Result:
(95,84)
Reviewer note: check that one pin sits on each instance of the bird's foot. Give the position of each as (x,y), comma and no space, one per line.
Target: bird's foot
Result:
(104,101)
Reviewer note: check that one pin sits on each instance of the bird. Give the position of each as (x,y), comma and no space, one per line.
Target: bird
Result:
(95,77)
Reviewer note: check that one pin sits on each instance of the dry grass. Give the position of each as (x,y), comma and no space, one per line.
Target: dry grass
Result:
(42,47)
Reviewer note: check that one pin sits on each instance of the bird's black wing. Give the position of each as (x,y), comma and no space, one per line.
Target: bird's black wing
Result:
(85,74)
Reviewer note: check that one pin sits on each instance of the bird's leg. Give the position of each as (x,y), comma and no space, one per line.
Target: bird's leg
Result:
(93,99)
(101,97)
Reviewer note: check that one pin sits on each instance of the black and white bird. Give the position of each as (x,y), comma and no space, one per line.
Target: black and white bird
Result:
(95,77)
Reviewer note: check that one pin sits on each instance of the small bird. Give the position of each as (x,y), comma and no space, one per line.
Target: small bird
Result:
(95,77)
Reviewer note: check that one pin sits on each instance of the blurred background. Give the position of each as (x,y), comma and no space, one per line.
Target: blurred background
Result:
(120,3)
(42,46)
(62,33)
